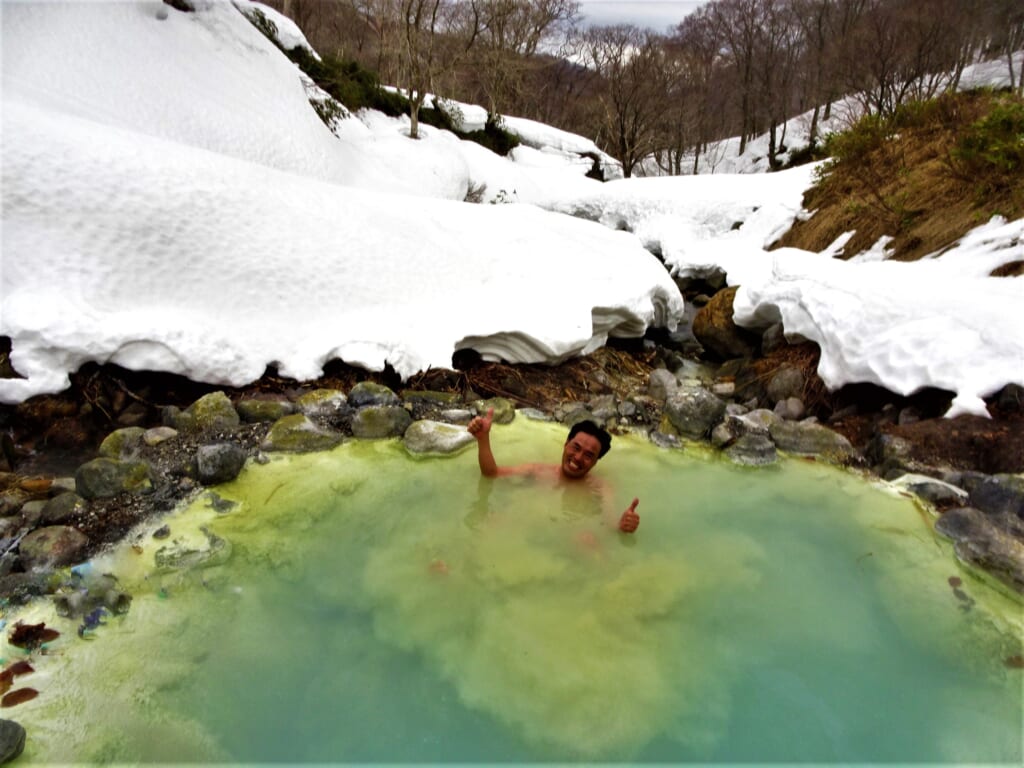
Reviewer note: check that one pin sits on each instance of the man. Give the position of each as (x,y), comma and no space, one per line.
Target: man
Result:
(586,443)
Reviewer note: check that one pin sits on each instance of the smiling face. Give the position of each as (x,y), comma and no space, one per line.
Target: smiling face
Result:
(579,455)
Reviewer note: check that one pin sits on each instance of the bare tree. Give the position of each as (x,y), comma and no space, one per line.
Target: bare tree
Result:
(630,62)
(736,23)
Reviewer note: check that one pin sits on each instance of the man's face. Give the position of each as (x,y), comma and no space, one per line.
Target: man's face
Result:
(579,455)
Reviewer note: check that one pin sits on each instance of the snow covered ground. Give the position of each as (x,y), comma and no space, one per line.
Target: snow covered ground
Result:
(171,201)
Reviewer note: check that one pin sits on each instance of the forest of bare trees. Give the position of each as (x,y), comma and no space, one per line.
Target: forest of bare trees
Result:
(731,68)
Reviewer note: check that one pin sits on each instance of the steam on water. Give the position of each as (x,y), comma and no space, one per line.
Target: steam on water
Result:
(380,608)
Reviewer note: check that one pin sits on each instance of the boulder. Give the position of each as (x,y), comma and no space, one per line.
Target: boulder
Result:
(1001,498)
(504,409)
(715,330)
(805,438)
(790,409)
(752,450)
(436,437)
(693,411)
(322,403)
(298,434)
(61,508)
(788,381)
(158,435)
(122,443)
(263,411)
(931,490)
(430,397)
(367,393)
(12,740)
(977,541)
(219,462)
(210,413)
(102,478)
(661,385)
(52,546)
(377,421)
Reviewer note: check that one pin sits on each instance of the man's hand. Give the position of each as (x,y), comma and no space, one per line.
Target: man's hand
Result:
(481,425)
(630,519)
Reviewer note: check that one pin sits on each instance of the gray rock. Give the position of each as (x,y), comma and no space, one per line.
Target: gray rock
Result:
(61,508)
(663,440)
(790,409)
(1001,498)
(604,408)
(296,433)
(210,413)
(693,411)
(773,337)
(932,490)
(32,511)
(436,437)
(219,462)
(431,397)
(367,393)
(158,435)
(662,385)
(325,403)
(752,450)
(534,414)
(377,421)
(263,411)
(12,740)
(977,541)
(102,478)
(812,439)
(51,547)
(457,415)
(787,382)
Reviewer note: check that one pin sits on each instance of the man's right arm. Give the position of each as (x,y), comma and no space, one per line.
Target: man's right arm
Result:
(480,428)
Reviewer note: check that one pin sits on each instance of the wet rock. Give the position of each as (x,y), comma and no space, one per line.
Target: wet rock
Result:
(367,393)
(693,411)
(178,556)
(20,588)
(61,508)
(102,478)
(377,421)
(1001,498)
(787,382)
(714,328)
(212,412)
(12,740)
(504,409)
(296,433)
(262,411)
(662,385)
(664,440)
(812,440)
(436,437)
(219,463)
(322,404)
(891,454)
(52,546)
(931,490)
(122,443)
(753,450)
(977,541)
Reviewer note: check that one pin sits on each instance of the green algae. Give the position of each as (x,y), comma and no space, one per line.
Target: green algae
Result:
(376,608)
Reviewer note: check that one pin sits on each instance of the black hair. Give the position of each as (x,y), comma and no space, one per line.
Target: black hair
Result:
(590,428)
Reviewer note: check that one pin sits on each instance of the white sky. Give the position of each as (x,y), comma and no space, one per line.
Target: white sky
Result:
(170,201)
(659,15)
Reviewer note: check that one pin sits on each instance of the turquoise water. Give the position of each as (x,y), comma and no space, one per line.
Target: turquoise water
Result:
(378,608)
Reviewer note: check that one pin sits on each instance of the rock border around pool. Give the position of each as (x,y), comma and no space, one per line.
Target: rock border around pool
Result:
(49,525)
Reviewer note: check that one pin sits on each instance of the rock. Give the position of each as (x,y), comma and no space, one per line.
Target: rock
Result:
(436,437)
(12,740)
(812,439)
(715,330)
(210,413)
(604,408)
(262,411)
(1010,399)
(32,511)
(664,440)
(178,556)
(367,393)
(323,403)
(134,415)
(693,411)
(724,388)
(102,478)
(219,463)
(773,337)
(504,409)
(790,409)
(891,453)
(158,435)
(20,588)
(298,434)
(428,397)
(661,385)
(786,382)
(61,508)
(457,415)
(753,450)
(931,490)
(534,414)
(977,541)
(1001,498)
(122,443)
(377,421)
(52,546)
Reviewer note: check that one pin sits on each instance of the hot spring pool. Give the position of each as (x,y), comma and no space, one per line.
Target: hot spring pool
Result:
(379,608)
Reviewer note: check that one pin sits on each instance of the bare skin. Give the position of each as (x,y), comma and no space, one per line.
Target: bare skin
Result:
(579,455)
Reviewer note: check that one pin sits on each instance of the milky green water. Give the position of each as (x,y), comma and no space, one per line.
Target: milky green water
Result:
(379,608)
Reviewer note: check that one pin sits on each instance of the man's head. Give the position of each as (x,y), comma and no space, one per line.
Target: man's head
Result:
(586,443)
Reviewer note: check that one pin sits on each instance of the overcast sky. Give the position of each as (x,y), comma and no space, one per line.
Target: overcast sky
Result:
(656,14)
